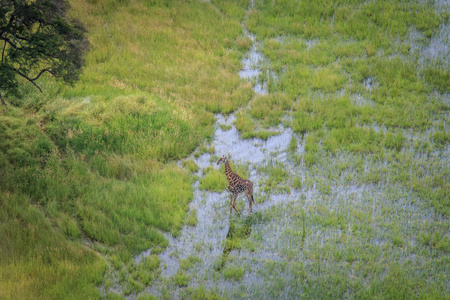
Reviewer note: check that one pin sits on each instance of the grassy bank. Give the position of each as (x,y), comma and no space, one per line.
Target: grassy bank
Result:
(88,170)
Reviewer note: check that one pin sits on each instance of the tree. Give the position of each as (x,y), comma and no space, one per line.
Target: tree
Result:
(39,37)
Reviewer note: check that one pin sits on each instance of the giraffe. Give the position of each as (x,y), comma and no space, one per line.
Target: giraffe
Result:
(237,185)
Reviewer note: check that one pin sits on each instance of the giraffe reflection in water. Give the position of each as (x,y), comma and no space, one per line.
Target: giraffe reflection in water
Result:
(239,231)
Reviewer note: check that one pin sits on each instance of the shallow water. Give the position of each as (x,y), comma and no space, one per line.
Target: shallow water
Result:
(438,48)
(251,66)
(213,219)
(253,151)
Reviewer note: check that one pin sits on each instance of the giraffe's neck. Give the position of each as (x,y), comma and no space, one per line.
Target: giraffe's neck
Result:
(228,172)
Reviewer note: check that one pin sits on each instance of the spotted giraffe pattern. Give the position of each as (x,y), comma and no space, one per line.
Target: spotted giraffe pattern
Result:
(237,185)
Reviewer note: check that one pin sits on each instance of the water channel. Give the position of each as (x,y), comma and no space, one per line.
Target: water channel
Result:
(207,238)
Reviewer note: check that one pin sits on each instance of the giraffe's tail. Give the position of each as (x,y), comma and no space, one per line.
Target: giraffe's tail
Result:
(253,200)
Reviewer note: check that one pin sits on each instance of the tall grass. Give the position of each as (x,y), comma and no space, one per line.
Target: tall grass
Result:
(160,48)
(213,180)
(38,261)
(375,21)
(94,160)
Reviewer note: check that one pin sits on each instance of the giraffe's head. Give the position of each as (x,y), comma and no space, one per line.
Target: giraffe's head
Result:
(223,159)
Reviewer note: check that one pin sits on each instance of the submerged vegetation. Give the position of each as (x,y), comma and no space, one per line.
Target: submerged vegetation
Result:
(358,82)
(357,204)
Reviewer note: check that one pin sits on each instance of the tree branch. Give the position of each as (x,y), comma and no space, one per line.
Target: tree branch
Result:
(29,79)
(11,20)
(40,73)
(39,37)
(11,43)
(15,37)
(26,48)
(22,38)
(3,51)
(1,98)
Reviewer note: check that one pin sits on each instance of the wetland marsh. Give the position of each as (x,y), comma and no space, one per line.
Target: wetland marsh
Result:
(337,214)
(336,111)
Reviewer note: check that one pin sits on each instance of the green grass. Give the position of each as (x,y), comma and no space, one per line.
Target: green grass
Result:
(346,240)
(324,20)
(233,273)
(438,77)
(238,232)
(95,162)
(38,260)
(192,218)
(143,274)
(200,293)
(269,109)
(277,178)
(214,180)
(145,200)
(248,129)
(95,159)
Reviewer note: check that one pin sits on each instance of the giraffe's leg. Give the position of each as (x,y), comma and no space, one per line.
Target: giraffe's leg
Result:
(250,198)
(233,204)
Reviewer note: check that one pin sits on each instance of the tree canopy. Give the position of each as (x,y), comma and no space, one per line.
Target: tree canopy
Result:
(37,37)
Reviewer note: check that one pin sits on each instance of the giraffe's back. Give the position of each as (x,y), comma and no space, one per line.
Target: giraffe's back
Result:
(248,184)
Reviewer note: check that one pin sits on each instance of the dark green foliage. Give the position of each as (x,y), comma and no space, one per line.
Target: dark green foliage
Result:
(38,37)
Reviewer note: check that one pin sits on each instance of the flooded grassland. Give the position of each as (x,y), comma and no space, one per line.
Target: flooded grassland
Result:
(347,144)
